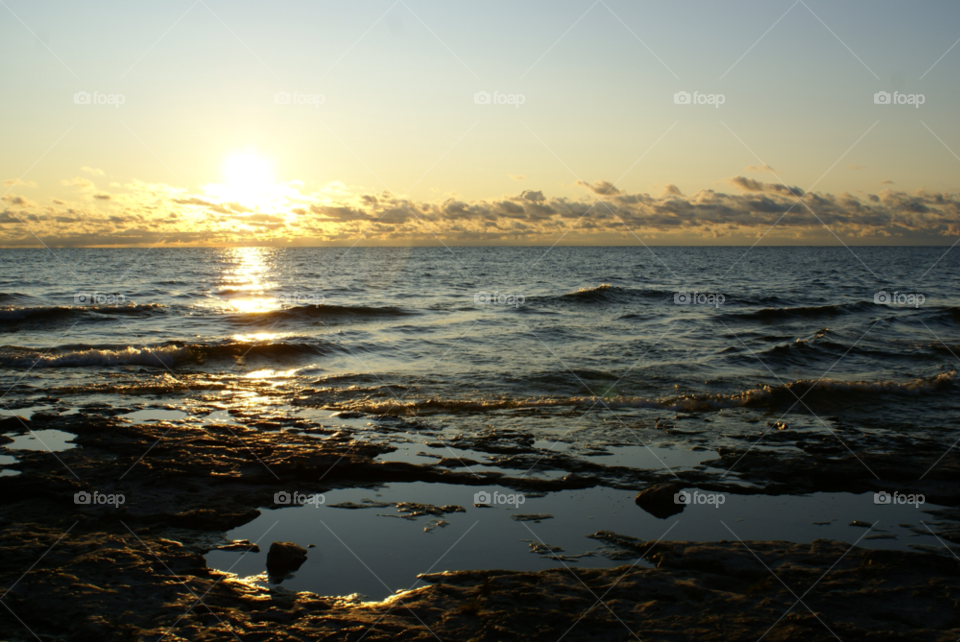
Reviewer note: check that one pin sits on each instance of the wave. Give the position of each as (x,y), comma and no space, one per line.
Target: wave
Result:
(950,315)
(307,312)
(168,356)
(811,391)
(606,293)
(804,312)
(12,297)
(165,356)
(38,314)
(55,313)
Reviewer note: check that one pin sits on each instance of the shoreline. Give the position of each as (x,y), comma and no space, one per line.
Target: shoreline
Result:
(197,482)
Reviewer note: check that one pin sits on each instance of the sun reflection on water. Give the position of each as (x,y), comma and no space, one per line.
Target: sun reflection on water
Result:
(246,282)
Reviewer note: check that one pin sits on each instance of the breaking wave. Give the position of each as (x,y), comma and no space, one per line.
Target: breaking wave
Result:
(161,356)
(810,390)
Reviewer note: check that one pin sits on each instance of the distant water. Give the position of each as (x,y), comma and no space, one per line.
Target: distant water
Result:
(465,332)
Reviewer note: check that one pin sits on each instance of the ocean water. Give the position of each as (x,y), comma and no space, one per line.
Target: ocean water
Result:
(580,352)
(469,331)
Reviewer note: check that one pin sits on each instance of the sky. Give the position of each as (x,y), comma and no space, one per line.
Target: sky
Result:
(406,122)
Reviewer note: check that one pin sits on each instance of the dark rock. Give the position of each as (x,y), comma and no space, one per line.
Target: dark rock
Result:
(14,424)
(658,500)
(284,558)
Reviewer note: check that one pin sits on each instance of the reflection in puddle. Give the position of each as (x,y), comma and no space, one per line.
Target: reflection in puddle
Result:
(48,440)
(491,538)
(26,413)
(652,457)
(6,460)
(155,414)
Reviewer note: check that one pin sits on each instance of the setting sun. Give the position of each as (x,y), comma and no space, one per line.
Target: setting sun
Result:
(247,171)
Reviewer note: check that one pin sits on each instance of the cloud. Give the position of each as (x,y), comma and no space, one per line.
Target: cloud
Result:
(886,182)
(854,167)
(600,188)
(750,185)
(80,182)
(17,181)
(142,213)
(517,177)
(92,170)
(754,169)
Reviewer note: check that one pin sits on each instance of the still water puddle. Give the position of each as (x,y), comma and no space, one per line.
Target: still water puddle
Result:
(48,440)
(26,413)
(155,414)
(372,552)
(652,457)
(7,460)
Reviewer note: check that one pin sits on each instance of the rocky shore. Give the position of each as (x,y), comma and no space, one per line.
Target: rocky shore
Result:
(136,571)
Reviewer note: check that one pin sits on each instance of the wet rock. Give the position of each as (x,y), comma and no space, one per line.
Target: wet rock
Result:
(367,503)
(658,500)
(434,524)
(285,558)
(212,519)
(531,517)
(242,545)
(13,424)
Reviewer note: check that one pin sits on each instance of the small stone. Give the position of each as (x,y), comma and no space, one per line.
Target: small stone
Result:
(284,558)
(658,500)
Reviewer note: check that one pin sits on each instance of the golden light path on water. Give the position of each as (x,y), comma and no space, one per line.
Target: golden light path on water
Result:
(246,281)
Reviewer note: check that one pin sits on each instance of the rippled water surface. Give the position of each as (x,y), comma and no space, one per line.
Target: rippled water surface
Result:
(431,331)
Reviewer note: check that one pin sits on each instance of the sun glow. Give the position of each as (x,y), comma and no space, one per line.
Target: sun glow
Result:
(248,171)
(248,180)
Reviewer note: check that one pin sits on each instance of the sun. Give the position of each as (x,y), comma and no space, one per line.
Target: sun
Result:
(248,172)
